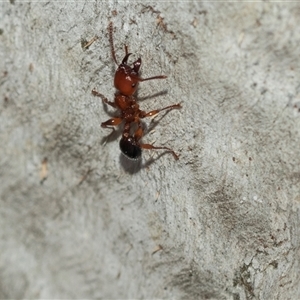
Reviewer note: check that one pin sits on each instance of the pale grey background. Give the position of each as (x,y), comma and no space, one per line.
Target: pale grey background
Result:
(226,214)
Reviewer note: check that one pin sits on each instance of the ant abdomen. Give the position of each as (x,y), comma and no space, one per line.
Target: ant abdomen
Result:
(130,148)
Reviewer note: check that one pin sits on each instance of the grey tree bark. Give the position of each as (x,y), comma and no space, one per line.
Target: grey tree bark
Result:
(223,222)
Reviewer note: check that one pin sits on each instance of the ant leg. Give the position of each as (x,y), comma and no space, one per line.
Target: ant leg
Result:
(111,122)
(104,99)
(151,147)
(139,132)
(156,111)
(138,135)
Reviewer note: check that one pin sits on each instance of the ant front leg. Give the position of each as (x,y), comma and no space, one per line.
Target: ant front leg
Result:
(156,111)
(104,99)
(138,135)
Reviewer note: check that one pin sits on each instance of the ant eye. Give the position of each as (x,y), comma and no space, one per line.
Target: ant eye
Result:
(133,85)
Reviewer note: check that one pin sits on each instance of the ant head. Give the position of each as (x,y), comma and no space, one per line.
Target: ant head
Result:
(130,148)
(127,78)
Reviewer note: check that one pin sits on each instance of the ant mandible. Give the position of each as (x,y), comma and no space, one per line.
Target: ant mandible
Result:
(126,82)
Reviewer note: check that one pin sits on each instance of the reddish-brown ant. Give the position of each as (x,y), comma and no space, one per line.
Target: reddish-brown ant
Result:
(126,82)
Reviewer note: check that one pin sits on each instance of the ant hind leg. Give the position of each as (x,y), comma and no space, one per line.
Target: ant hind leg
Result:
(156,111)
(139,133)
(151,147)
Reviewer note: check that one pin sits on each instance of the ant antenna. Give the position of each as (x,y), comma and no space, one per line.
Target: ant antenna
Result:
(111,41)
(155,77)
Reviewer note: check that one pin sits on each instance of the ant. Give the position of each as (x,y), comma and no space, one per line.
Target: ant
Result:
(126,82)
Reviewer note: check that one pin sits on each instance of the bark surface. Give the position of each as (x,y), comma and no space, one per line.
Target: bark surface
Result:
(78,220)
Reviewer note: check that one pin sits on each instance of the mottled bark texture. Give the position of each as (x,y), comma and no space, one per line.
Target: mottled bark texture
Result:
(223,222)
